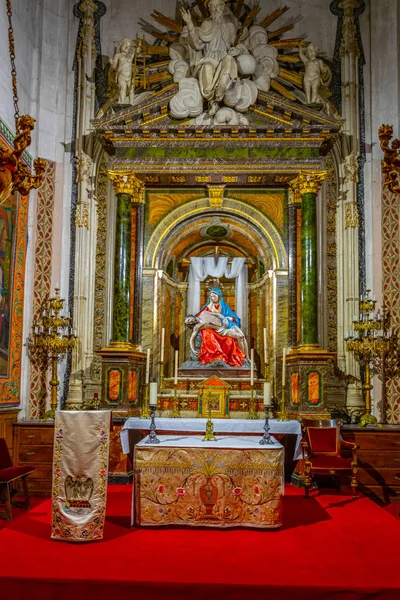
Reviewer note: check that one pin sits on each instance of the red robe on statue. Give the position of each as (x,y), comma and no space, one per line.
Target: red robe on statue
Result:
(215,346)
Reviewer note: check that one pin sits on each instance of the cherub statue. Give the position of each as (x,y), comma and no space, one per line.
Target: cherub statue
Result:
(121,62)
(317,73)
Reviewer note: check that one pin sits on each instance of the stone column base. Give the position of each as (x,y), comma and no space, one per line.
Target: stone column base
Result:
(306,390)
(122,378)
(354,401)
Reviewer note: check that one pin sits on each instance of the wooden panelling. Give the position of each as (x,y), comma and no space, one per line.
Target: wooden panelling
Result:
(34,446)
(378,460)
(7,419)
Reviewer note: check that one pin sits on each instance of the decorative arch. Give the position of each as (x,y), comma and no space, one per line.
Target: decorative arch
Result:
(254,222)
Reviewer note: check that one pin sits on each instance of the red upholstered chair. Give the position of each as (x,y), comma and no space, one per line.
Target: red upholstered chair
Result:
(323,448)
(8,475)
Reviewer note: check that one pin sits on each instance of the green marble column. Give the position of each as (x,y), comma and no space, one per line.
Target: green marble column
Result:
(306,185)
(129,192)
(308,271)
(122,269)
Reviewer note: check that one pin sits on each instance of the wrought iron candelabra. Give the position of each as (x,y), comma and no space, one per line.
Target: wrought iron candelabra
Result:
(371,342)
(152,439)
(52,338)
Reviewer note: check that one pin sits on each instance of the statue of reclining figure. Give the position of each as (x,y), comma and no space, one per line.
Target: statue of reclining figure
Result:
(209,320)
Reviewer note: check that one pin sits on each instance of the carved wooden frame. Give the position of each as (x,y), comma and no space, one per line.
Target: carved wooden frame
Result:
(10,385)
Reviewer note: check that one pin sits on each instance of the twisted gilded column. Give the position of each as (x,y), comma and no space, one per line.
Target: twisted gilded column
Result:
(127,265)
(307,185)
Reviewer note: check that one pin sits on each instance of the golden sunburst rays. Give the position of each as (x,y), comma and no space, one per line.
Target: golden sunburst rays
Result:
(152,63)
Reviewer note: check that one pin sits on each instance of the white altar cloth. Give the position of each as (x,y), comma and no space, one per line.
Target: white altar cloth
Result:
(165,424)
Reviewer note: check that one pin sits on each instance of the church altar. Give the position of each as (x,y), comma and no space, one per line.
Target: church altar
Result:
(231,482)
(221,426)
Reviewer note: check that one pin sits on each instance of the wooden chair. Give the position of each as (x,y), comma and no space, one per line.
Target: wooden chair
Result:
(322,447)
(8,475)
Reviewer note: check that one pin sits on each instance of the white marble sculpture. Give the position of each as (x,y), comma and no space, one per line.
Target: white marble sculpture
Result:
(317,74)
(222,57)
(121,62)
(267,66)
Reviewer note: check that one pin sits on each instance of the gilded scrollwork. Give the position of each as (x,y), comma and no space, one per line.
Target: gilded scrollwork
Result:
(331,254)
(391,158)
(100,273)
(351,216)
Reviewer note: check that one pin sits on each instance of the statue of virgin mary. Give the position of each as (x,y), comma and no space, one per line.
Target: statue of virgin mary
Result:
(228,342)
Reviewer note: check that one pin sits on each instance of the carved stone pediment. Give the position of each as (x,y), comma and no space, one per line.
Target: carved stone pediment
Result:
(272,120)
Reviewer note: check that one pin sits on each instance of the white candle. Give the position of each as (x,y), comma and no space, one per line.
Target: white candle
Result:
(147,366)
(176,367)
(162,344)
(265,346)
(153,393)
(267,394)
(252,367)
(283,367)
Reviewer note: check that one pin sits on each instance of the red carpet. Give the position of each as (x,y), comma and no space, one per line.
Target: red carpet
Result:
(330,547)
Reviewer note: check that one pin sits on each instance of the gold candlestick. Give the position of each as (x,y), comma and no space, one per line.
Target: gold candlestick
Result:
(175,410)
(282,414)
(52,338)
(252,413)
(372,342)
(209,437)
(161,378)
(145,411)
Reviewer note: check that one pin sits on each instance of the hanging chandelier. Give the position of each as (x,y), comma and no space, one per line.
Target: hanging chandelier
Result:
(15,175)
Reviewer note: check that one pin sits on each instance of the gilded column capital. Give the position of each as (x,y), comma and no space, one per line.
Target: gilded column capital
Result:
(308,183)
(126,182)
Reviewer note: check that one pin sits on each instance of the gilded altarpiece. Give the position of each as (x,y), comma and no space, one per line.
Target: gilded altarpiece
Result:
(13,225)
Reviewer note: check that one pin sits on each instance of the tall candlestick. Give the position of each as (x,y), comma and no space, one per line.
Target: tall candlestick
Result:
(265,346)
(283,367)
(176,367)
(252,367)
(147,366)
(162,344)
(267,394)
(153,393)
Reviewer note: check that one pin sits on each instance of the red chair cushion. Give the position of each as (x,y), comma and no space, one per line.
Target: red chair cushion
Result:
(330,462)
(11,473)
(323,439)
(5,460)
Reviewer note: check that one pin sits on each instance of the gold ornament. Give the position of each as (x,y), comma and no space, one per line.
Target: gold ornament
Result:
(126,182)
(308,182)
(391,158)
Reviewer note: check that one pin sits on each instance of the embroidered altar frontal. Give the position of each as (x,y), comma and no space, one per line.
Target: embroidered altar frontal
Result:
(80,469)
(234,482)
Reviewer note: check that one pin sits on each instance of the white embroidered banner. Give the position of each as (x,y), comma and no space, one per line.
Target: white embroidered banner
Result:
(80,470)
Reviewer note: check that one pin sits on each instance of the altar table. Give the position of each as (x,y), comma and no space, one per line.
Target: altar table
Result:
(233,426)
(232,482)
